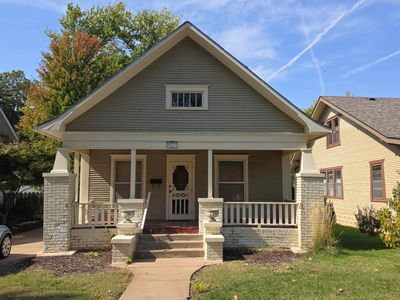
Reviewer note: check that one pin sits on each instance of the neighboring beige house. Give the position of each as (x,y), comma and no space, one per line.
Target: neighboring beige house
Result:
(360,157)
(206,134)
(6,129)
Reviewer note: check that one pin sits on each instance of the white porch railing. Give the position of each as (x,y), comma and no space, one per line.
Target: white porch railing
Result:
(260,213)
(146,207)
(94,214)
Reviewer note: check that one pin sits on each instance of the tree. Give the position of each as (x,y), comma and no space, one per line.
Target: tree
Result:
(125,35)
(14,87)
(74,66)
(21,164)
(91,46)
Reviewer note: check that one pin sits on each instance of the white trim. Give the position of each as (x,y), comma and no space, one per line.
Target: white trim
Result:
(84,179)
(186,88)
(232,157)
(14,134)
(55,127)
(186,141)
(210,173)
(132,184)
(180,158)
(127,157)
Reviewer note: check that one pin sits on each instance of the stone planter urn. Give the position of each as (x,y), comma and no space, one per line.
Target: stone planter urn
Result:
(213,215)
(127,215)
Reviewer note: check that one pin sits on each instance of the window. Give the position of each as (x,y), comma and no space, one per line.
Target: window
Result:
(333,138)
(231,180)
(121,176)
(187,97)
(378,192)
(333,182)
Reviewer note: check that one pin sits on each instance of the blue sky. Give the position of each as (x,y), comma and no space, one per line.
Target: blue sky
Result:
(304,49)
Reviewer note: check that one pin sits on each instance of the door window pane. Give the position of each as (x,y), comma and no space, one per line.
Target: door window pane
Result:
(180,178)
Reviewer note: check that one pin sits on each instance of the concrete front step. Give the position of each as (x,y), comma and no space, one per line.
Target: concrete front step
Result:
(170,237)
(168,253)
(158,245)
(169,245)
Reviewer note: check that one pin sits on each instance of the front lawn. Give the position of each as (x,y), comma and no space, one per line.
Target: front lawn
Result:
(81,276)
(362,269)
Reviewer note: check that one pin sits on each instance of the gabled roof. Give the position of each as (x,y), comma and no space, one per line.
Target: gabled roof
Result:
(55,126)
(379,116)
(6,128)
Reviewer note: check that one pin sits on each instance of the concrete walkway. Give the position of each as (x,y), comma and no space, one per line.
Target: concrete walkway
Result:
(24,245)
(164,278)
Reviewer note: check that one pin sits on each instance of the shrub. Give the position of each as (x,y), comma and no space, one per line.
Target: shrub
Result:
(390,220)
(367,220)
(201,287)
(323,238)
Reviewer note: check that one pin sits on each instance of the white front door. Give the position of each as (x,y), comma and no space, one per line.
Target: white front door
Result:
(180,187)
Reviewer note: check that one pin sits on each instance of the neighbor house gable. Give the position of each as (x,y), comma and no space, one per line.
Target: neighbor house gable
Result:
(55,127)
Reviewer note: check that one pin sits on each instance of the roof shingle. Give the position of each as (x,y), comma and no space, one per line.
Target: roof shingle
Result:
(380,114)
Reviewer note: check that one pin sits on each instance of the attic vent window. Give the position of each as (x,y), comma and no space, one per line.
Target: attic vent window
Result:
(186,97)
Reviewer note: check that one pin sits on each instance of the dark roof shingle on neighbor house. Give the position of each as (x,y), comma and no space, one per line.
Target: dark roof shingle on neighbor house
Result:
(380,114)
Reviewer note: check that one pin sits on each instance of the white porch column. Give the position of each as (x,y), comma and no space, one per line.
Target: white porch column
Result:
(210,174)
(286,177)
(309,196)
(59,194)
(77,163)
(133,174)
(84,179)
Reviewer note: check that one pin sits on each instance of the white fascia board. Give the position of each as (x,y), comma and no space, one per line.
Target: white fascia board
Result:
(186,30)
(228,141)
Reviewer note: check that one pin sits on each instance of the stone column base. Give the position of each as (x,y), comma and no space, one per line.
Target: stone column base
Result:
(123,247)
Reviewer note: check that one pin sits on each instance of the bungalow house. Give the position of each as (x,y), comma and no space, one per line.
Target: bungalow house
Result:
(360,157)
(206,135)
(7,131)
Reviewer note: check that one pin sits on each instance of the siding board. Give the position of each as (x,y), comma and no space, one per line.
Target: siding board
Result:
(265,176)
(357,149)
(139,105)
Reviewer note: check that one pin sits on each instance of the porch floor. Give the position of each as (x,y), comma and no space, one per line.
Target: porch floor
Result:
(165,227)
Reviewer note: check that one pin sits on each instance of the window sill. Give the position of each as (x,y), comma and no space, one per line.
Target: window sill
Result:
(332,146)
(379,200)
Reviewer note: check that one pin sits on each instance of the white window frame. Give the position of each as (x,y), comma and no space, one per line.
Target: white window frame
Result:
(182,88)
(232,157)
(126,157)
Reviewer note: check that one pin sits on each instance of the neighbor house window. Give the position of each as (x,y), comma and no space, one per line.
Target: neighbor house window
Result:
(187,97)
(378,192)
(333,138)
(333,182)
(231,179)
(121,177)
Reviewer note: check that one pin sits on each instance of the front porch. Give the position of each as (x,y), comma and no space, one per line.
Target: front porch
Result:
(173,191)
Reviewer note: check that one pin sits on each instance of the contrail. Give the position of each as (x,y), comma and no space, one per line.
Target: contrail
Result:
(318,38)
(314,58)
(370,65)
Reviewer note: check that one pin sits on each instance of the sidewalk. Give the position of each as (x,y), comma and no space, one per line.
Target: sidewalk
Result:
(166,279)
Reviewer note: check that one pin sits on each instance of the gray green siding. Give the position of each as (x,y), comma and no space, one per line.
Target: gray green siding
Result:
(264,171)
(139,105)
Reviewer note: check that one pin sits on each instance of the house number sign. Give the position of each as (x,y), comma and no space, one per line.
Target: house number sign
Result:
(172,145)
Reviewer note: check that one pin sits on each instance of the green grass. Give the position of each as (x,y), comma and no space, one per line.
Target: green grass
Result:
(42,284)
(362,269)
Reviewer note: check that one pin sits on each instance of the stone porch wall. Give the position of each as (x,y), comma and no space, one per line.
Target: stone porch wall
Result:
(252,237)
(88,238)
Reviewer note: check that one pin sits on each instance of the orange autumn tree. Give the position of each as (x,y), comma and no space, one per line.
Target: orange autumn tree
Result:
(74,66)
